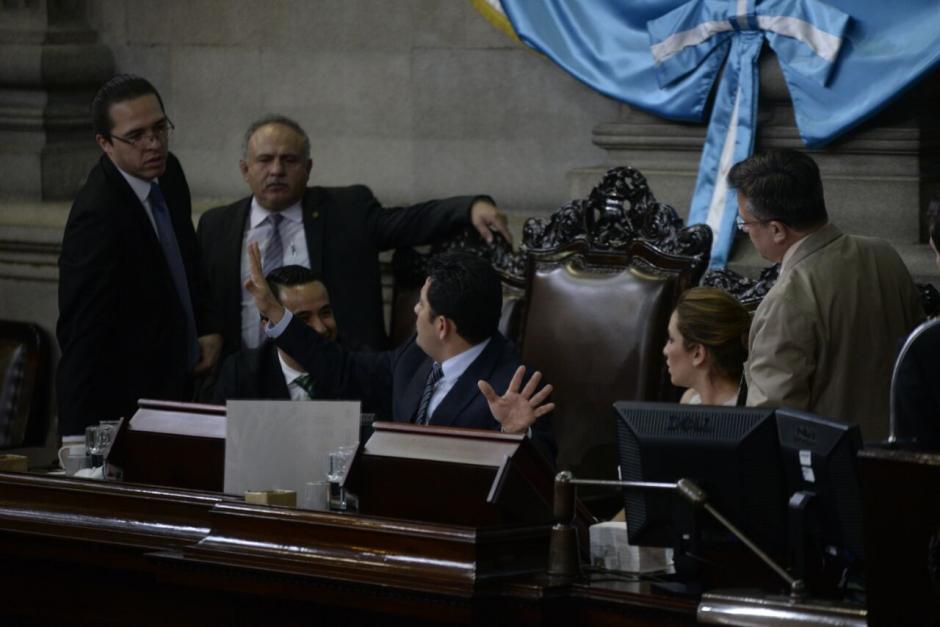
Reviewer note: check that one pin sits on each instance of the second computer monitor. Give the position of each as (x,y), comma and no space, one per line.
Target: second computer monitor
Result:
(819,459)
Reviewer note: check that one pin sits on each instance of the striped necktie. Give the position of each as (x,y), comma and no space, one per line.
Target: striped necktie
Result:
(274,250)
(422,417)
(306,383)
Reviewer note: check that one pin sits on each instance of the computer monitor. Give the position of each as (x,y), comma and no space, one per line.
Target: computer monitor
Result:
(730,452)
(825,501)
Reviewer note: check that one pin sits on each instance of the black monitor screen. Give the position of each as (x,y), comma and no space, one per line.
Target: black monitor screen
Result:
(819,458)
(730,452)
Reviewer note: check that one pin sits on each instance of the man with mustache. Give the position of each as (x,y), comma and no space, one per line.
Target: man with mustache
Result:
(337,232)
(128,309)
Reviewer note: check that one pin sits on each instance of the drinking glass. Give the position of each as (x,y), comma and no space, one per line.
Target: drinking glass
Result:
(315,495)
(92,447)
(340,461)
(107,430)
(98,440)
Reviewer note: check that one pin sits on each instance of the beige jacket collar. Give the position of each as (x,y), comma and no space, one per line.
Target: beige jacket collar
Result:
(810,244)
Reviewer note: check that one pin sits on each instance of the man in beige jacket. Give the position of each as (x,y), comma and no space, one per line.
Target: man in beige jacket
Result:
(825,336)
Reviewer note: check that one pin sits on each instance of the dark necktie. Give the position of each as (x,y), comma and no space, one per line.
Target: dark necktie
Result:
(174,260)
(422,417)
(274,251)
(305,382)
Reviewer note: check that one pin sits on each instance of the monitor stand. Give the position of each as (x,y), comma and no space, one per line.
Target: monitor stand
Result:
(823,570)
(687,547)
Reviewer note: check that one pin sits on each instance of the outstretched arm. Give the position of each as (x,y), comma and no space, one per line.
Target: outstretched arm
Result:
(516,411)
(486,218)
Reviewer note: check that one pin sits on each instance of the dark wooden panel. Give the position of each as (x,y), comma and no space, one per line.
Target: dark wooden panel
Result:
(82,552)
(901,498)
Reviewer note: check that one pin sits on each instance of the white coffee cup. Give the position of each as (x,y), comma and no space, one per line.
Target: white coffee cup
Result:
(72,454)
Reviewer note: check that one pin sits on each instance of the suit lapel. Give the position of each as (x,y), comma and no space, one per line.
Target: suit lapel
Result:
(142,224)
(313,207)
(273,384)
(139,215)
(413,391)
(230,247)
(465,390)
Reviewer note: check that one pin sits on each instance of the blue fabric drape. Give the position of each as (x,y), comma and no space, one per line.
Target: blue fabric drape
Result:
(843,61)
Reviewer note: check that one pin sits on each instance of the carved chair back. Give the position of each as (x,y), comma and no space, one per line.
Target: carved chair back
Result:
(24,384)
(595,324)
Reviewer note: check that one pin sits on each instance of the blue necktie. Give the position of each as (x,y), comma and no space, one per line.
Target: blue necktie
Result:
(174,260)
(422,417)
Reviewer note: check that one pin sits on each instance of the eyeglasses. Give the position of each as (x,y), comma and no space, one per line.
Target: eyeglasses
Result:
(159,131)
(742,223)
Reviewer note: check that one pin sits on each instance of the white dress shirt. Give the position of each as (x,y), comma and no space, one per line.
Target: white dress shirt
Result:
(295,252)
(453,368)
(291,375)
(141,189)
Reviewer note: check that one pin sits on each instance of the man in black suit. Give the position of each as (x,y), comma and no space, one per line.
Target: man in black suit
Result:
(268,372)
(445,374)
(128,310)
(338,232)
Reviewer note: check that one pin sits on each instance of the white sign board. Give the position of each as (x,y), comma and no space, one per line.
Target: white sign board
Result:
(281,445)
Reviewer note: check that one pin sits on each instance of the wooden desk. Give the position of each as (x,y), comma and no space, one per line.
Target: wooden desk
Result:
(121,554)
(901,499)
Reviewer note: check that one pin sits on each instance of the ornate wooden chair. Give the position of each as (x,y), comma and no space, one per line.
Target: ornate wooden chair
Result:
(588,299)
(24,384)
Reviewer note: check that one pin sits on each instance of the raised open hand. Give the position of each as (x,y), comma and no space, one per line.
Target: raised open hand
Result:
(258,287)
(516,411)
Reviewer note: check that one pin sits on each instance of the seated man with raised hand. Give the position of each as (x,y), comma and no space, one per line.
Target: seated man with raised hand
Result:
(267,372)
(445,374)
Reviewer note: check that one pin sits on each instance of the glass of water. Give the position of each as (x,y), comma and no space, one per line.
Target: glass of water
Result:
(340,462)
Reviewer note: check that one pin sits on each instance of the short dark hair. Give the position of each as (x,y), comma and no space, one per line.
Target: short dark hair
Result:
(120,88)
(465,289)
(290,276)
(782,185)
(275,118)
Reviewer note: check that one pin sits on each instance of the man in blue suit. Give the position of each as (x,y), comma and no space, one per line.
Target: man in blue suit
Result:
(445,374)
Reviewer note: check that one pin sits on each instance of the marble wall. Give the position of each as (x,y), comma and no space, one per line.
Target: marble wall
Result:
(416,98)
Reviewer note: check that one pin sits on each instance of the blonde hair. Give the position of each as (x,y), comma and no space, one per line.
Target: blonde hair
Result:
(714,319)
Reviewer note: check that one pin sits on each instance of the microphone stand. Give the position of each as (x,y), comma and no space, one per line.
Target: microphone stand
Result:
(563,561)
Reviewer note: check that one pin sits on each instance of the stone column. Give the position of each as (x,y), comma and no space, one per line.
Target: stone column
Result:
(52,65)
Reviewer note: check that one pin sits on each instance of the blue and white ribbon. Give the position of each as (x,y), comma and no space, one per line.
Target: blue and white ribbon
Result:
(805,34)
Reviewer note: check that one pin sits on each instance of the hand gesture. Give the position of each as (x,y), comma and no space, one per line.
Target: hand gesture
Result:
(258,287)
(515,410)
(210,348)
(485,217)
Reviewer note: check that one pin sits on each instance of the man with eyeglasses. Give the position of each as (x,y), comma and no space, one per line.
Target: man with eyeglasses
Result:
(824,337)
(128,310)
